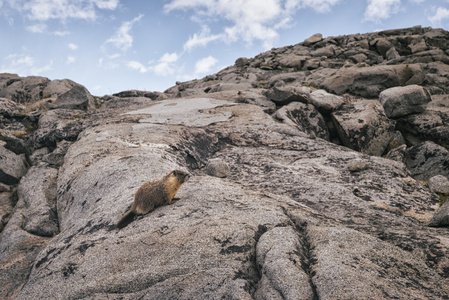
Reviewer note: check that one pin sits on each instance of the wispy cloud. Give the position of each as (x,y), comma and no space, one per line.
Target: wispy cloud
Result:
(71,59)
(122,38)
(37,28)
(250,19)
(72,46)
(205,65)
(165,66)
(24,65)
(439,15)
(44,10)
(378,10)
(202,38)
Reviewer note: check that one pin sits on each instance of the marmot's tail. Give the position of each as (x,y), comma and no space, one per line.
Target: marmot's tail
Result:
(125,220)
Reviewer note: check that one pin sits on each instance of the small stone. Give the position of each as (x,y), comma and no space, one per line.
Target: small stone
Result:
(439,184)
(217,168)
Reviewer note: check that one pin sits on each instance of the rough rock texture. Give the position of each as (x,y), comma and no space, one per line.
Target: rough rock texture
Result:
(427,160)
(12,166)
(402,101)
(363,126)
(78,97)
(270,211)
(38,191)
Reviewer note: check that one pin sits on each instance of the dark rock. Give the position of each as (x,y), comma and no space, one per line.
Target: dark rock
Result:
(22,89)
(427,160)
(305,118)
(78,97)
(57,125)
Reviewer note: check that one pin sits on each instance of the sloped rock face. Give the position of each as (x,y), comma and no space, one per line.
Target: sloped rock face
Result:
(273,208)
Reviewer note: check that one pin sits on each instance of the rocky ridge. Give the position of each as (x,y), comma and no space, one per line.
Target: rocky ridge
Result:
(319,171)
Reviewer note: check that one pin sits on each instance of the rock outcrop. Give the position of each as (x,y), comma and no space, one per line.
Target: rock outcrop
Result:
(318,170)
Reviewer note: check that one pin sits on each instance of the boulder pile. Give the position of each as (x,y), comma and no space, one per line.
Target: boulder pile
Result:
(319,171)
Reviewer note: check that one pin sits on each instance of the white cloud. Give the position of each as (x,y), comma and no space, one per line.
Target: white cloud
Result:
(61,33)
(37,28)
(24,65)
(201,39)
(135,65)
(71,59)
(44,10)
(441,13)
(122,38)
(379,10)
(72,46)
(205,65)
(249,19)
(165,66)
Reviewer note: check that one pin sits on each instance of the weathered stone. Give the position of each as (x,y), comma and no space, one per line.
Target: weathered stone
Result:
(363,126)
(402,101)
(392,54)
(58,87)
(418,45)
(382,46)
(217,168)
(439,184)
(370,81)
(38,191)
(418,128)
(18,252)
(78,97)
(313,39)
(287,94)
(57,125)
(283,276)
(11,109)
(441,217)
(324,101)
(427,160)
(56,158)
(12,166)
(22,89)
(304,117)
(6,207)
(241,62)
(13,143)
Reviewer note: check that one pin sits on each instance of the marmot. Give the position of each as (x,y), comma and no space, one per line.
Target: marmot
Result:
(154,193)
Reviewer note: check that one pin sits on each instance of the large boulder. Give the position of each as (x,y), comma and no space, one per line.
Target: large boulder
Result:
(441,217)
(363,126)
(78,97)
(282,95)
(402,101)
(369,81)
(38,191)
(11,109)
(12,166)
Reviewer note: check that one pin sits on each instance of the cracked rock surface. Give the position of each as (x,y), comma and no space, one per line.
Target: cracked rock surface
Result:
(291,194)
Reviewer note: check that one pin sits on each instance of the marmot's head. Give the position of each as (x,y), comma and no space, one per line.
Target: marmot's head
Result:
(180,175)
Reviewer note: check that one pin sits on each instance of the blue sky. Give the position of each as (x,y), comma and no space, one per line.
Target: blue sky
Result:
(115,45)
